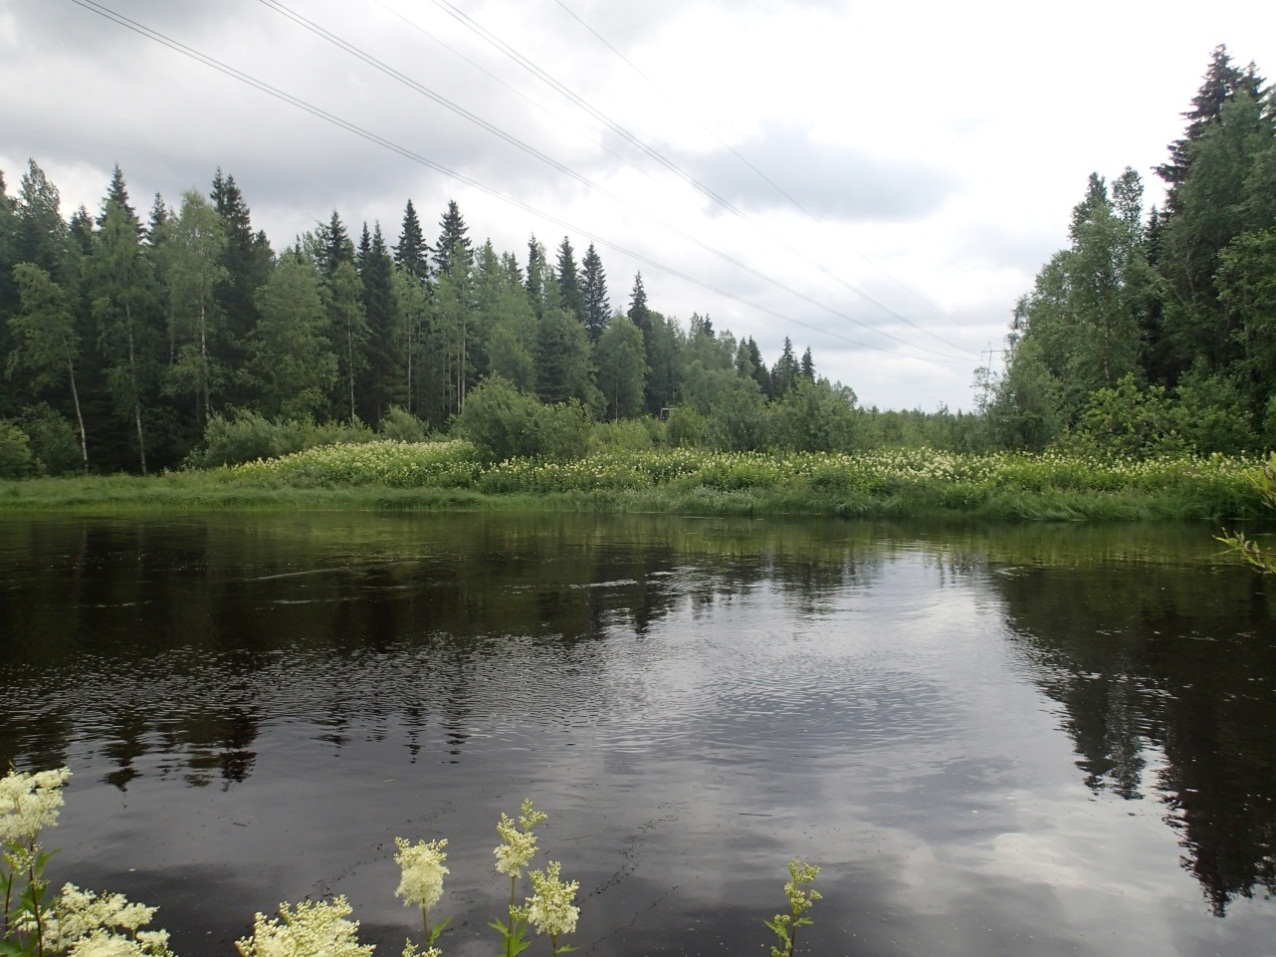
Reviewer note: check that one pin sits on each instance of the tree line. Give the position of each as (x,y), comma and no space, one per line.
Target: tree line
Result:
(124,338)
(1156,330)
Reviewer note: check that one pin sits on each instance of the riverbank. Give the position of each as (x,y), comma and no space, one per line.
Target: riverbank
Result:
(915,483)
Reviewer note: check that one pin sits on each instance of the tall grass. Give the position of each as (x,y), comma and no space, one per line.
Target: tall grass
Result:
(900,483)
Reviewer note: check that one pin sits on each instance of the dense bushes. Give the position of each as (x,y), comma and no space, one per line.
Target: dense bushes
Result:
(247,436)
(506,423)
(16,459)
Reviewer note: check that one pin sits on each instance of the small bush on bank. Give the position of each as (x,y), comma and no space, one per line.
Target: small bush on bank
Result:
(16,458)
(402,426)
(248,436)
(505,423)
(54,441)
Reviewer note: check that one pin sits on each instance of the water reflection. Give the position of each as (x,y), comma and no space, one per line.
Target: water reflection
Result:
(746,679)
(1178,661)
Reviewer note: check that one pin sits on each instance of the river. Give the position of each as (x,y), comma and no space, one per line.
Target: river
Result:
(993,739)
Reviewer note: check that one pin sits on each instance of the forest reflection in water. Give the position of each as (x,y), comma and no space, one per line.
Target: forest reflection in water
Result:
(1003,739)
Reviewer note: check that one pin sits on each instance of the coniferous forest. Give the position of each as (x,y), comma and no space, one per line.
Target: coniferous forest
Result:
(127,334)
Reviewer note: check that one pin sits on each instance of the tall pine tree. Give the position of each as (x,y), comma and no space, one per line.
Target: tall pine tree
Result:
(594,293)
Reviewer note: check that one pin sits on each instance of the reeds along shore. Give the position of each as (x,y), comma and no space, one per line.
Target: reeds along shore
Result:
(895,483)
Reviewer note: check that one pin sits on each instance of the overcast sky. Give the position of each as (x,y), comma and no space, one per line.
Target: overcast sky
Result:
(878,181)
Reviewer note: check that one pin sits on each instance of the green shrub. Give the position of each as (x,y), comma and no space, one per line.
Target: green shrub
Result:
(630,434)
(506,423)
(500,420)
(686,428)
(402,426)
(54,441)
(248,436)
(386,462)
(16,458)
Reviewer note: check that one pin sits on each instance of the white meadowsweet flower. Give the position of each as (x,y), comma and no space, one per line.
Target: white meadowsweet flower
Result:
(550,909)
(410,950)
(423,870)
(78,915)
(518,845)
(312,929)
(29,803)
(515,851)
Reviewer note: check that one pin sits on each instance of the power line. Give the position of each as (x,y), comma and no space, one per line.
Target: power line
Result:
(781,191)
(415,157)
(559,167)
(677,170)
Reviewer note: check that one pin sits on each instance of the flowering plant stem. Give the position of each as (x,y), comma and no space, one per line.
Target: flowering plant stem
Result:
(432,933)
(785,926)
(513,932)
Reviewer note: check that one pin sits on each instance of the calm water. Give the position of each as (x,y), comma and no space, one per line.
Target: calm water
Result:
(1022,741)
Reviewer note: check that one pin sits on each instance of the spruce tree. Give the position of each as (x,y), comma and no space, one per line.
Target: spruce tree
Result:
(117,192)
(155,222)
(334,246)
(381,387)
(1221,83)
(569,281)
(785,372)
(594,291)
(412,253)
(453,247)
(247,259)
(638,312)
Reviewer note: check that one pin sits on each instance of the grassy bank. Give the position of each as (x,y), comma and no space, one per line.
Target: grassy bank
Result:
(896,484)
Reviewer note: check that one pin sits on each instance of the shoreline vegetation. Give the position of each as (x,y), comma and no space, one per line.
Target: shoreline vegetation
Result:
(454,475)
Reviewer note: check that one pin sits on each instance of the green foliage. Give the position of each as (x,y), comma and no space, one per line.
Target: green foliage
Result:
(506,423)
(16,459)
(1129,421)
(685,427)
(801,899)
(632,435)
(291,363)
(452,464)
(53,440)
(400,425)
(814,416)
(1022,409)
(500,420)
(1259,557)
(1212,413)
(622,368)
(248,436)
(192,248)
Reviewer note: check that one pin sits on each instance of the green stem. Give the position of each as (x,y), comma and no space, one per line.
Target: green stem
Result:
(509,938)
(35,900)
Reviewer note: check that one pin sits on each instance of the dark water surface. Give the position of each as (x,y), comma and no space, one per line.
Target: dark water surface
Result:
(1009,740)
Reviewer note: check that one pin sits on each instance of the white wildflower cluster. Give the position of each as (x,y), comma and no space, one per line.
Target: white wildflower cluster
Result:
(550,909)
(84,923)
(423,870)
(29,803)
(311,929)
(411,950)
(105,943)
(518,843)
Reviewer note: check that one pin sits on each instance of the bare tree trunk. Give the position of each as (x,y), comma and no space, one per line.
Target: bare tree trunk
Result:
(137,392)
(75,398)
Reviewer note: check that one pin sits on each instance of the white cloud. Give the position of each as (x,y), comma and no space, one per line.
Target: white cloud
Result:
(938,147)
